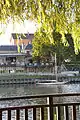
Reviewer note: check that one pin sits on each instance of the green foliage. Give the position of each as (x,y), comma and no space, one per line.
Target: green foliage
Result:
(44,49)
(55,19)
(57,37)
(41,44)
(12,9)
(62,16)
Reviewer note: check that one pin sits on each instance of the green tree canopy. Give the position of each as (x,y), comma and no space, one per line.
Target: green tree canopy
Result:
(63,12)
(12,9)
(61,16)
(52,16)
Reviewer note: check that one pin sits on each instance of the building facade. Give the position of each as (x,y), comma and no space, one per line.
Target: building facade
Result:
(21,38)
(20,50)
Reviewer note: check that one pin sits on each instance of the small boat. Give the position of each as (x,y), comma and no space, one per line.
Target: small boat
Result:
(49,82)
(69,73)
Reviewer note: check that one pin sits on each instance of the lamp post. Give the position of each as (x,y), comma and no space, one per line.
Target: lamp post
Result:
(56,68)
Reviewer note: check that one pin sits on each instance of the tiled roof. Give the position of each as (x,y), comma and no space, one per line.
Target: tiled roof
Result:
(22,36)
(8,48)
(13,47)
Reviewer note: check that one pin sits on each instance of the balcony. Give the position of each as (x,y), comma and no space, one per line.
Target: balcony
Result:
(43,111)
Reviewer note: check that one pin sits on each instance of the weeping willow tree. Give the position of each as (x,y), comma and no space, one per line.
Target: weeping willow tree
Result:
(59,16)
(52,16)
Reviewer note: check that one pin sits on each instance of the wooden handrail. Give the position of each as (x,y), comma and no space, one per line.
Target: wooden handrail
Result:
(37,106)
(41,96)
(42,107)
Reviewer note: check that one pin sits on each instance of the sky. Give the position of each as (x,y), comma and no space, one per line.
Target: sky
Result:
(27,26)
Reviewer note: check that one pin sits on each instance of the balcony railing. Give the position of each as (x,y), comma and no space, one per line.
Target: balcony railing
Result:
(53,110)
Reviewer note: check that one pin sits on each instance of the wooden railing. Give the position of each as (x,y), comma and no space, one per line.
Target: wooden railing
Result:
(53,110)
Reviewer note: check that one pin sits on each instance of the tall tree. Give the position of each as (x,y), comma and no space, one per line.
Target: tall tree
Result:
(60,16)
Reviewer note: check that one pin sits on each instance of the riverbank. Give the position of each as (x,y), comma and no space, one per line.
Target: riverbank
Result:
(25,78)
(36,78)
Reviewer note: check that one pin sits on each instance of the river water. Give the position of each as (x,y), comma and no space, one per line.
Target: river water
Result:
(20,90)
(23,90)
